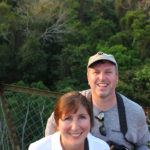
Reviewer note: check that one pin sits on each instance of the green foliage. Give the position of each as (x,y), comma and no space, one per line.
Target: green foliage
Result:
(32,60)
(101,26)
(133,19)
(106,9)
(4,8)
(142,85)
(121,38)
(39,85)
(142,78)
(125,89)
(137,23)
(73,62)
(65,85)
(135,84)
(125,58)
(49,42)
(8,24)
(7,64)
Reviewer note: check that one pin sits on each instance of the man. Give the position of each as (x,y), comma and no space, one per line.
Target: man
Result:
(132,131)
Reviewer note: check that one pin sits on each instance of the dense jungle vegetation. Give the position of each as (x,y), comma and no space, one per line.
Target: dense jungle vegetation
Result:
(47,43)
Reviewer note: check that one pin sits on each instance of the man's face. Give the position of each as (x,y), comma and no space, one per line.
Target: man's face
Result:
(102,78)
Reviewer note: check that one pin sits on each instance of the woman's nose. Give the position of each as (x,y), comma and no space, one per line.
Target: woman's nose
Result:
(75,124)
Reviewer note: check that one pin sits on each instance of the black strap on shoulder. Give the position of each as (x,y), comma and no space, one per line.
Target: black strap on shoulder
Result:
(86,144)
(122,116)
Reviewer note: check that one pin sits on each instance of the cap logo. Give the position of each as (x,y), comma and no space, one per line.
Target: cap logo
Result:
(100,53)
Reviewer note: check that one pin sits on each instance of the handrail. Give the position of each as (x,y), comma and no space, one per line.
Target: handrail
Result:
(31,90)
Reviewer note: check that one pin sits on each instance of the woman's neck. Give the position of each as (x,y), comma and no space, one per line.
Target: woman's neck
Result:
(67,146)
(75,147)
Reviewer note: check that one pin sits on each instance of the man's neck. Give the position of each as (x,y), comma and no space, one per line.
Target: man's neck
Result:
(104,103)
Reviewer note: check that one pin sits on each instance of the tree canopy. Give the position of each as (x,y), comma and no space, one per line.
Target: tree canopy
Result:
(50,41)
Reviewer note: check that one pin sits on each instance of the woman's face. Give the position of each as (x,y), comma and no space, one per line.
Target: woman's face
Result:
(74,128)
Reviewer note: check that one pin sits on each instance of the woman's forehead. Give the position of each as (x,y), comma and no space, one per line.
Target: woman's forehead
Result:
(80,108)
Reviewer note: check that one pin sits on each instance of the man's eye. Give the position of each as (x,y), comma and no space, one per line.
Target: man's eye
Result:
(96,72)
(108,72)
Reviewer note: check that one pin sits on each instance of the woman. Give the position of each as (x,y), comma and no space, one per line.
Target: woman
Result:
(73,116)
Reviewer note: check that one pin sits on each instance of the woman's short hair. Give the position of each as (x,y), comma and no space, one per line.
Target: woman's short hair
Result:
(70,103)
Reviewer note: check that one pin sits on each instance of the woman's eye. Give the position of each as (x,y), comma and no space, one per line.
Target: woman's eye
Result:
(82,117)
(67,118)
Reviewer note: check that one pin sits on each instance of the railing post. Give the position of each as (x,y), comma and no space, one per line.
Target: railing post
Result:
(8,121)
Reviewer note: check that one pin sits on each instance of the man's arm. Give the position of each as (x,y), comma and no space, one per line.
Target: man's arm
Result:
(50,126)
(142,147)
(144,134)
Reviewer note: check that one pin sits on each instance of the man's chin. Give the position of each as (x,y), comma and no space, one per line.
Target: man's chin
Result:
(102,94)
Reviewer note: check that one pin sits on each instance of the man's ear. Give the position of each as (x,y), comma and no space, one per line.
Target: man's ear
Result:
(117,78)
(87,77)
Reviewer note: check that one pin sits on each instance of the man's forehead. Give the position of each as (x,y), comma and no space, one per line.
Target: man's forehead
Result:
(100,63)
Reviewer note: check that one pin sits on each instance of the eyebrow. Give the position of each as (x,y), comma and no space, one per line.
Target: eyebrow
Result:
(84,114)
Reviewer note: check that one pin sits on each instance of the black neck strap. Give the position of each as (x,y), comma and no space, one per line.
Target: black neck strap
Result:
(121,113)
(86,144)
(122,117)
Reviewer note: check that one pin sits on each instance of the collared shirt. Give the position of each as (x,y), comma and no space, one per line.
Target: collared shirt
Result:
(52,142)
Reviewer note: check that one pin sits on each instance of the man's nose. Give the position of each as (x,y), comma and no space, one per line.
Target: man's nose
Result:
(101,76)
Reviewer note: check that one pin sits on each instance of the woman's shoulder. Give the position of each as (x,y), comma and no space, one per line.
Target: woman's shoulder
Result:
(96,143)
(43,143)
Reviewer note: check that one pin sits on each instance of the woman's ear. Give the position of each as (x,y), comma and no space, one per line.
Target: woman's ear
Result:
(56,128)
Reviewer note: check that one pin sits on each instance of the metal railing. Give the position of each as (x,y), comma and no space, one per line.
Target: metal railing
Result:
(23,115)
(147,113)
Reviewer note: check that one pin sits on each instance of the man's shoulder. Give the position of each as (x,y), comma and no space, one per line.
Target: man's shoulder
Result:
(132,107)
(85,92)
(127,101)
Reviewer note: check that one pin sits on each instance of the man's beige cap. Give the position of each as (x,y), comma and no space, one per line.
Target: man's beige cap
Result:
(102,56)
